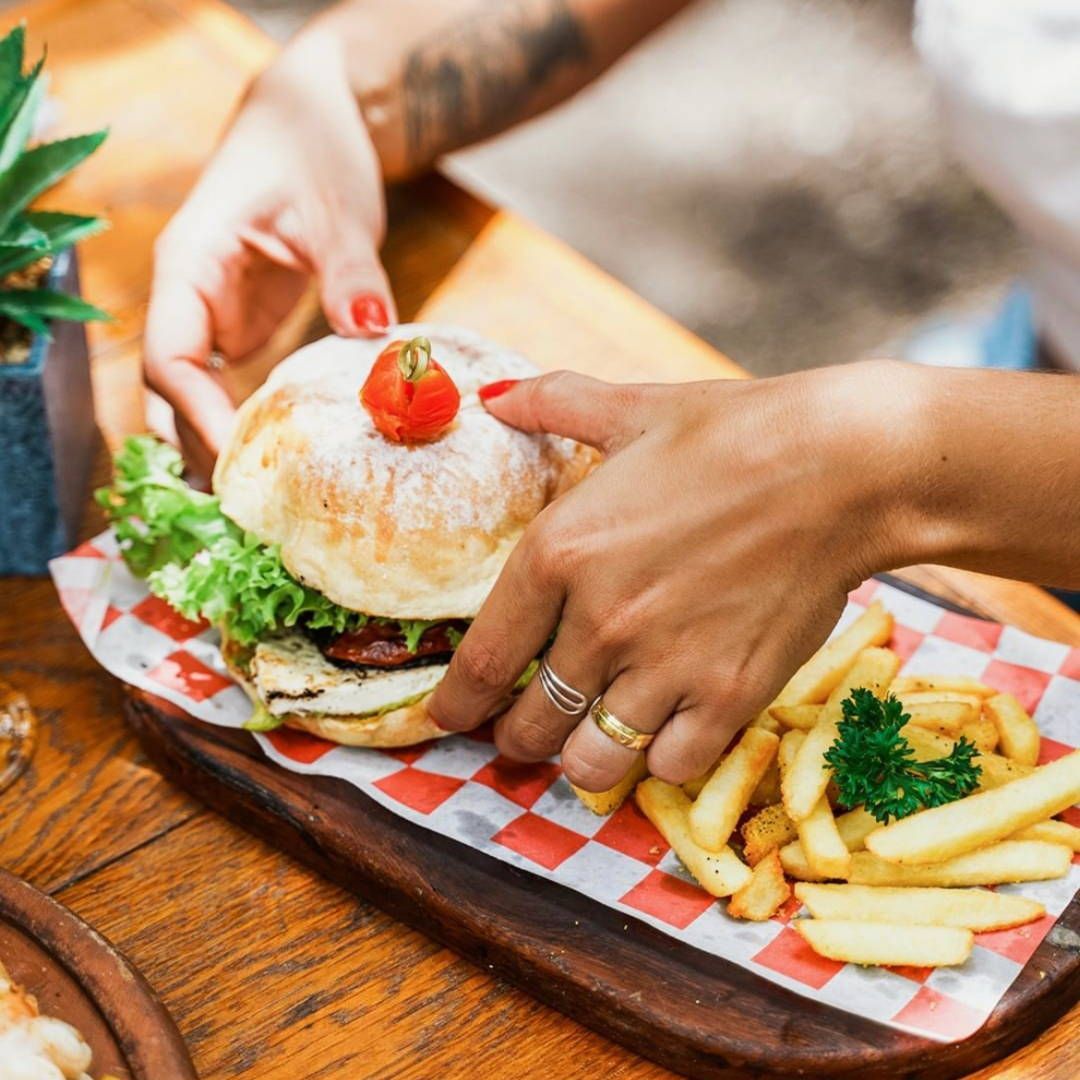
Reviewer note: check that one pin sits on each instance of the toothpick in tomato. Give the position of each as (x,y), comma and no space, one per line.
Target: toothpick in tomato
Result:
(409,395)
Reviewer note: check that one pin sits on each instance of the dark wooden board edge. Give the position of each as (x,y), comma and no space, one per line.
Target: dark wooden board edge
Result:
(143,1030)
(702,1016)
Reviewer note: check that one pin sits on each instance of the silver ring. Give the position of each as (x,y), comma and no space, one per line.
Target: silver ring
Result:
(562,695)
(215,362)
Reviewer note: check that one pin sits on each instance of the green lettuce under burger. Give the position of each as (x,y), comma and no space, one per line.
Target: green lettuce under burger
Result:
(206,567)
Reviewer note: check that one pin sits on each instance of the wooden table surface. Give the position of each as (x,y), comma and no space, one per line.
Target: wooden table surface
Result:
(270,971)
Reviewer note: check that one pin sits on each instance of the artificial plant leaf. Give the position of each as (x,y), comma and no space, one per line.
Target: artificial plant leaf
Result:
(17,129)
(48,304)
(38,169)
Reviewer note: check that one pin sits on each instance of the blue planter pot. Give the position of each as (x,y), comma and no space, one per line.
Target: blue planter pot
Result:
(47,441)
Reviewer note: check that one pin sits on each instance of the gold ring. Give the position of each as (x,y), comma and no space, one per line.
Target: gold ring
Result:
(615,729)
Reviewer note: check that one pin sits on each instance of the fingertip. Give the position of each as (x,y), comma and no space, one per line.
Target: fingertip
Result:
(369,314)
(493,390)
(444,718)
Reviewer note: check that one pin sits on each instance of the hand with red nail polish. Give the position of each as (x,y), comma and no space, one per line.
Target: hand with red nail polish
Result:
(369,314)
(493,390)
(295,190)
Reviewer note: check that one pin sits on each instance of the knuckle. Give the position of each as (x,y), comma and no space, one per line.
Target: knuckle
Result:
(612,626)
(528,737)
(552,548)
(482,666)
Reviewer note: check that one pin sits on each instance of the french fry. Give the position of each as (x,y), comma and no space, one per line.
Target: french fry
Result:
(914,698)
(765,720)
(945,831)
(766,831)
(1018,732)
(826,852)
(693,787)
(886,943)
(667,806)
(982,732)
(972,909)
(819,676)
(788,750)
(947,717)
(607,802)
(1051,832)
(996,770)
(958,684)
(797,717)
(999,864)
(795,863)
(768,790)
(717,809)
(804,784)
(764,894)
(855,826)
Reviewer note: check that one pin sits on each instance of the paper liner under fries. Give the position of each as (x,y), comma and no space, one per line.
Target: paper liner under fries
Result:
(527,815)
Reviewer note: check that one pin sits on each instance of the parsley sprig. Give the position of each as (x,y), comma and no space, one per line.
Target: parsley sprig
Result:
(875,766)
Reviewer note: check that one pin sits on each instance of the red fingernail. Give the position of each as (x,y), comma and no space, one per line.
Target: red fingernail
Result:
(496,389)
(369,313)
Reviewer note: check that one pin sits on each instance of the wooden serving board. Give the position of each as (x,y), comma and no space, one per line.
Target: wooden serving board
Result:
(77,976)
(668,1001)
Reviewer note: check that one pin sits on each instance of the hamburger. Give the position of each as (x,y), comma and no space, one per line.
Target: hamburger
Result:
(341,567)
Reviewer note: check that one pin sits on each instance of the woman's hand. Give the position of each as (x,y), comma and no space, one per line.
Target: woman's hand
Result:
(691,573)
(294,190)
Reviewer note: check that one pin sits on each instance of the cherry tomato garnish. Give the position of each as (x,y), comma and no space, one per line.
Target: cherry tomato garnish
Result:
(409,395)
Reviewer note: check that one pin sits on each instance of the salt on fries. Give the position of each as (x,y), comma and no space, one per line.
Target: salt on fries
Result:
(907,893)
(667,807)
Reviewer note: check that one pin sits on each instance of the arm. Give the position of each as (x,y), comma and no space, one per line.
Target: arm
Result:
(713,551)
(373,90)
(988,472)
(432,76)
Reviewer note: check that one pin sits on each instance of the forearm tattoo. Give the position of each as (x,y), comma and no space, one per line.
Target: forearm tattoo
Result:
(474,79)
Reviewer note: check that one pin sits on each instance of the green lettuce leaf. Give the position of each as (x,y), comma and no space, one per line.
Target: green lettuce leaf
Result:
(159,519)
(241,585)
(204,565)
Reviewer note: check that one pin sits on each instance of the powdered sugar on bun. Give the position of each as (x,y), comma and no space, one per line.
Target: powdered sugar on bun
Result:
(403,531)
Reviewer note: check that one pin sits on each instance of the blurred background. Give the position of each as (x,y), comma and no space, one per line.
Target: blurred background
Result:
(772,173)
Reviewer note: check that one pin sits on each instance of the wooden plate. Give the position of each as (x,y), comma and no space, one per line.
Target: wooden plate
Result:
(701,1015)
(77,976)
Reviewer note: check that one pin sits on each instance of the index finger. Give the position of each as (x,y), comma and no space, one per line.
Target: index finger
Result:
(176,347)
(512,627)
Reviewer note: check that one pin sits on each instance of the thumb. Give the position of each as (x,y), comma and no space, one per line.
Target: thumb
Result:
(600,414)
(354,291)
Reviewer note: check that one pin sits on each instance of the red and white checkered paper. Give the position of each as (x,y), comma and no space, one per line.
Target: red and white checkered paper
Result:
(527,815)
